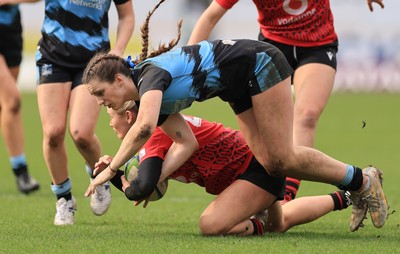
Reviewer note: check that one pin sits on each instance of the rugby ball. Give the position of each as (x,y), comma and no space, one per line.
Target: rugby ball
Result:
(131,172)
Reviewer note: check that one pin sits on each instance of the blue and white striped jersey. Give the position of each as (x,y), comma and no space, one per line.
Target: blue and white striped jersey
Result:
(74,30)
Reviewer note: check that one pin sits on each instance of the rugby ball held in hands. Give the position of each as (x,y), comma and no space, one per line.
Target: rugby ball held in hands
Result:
(131,172)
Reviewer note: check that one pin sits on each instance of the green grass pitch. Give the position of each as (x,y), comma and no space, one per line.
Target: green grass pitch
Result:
(170,225)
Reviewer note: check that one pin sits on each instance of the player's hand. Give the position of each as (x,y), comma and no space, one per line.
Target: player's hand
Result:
(114,51)
(371,8)
(100,179)
(125,183)
(102,164)
(146,202)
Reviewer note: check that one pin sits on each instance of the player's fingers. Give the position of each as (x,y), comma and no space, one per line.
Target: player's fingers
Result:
(381,4)
(89,191)
(371,8)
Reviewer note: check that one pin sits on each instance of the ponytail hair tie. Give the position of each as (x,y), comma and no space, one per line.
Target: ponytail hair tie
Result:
(128,60)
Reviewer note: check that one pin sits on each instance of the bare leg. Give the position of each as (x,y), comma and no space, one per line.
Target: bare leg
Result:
(53,106)
(313,85)
(10,104)
(269,132)
(229,213)
(84,112)
(298,211)
(269,135)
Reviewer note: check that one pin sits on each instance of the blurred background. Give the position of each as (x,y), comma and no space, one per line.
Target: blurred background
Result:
(369,43)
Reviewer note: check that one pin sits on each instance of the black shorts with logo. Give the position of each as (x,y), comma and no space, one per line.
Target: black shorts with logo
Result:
(257,175)
(48,72)
(298,56)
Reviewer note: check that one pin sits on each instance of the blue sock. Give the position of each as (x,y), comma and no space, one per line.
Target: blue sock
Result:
(63,189)
(347,178)
(89,171)
(18,161)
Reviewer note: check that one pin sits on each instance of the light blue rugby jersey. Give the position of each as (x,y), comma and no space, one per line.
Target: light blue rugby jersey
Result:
(220,68)
(187,70)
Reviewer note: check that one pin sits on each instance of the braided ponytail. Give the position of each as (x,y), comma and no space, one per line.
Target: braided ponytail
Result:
(104,67)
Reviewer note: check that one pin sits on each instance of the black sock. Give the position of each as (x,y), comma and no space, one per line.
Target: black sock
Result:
(23,169)
(356,182)
(341,200)
(67,196)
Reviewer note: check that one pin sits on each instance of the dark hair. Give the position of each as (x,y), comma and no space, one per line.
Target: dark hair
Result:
(105,66)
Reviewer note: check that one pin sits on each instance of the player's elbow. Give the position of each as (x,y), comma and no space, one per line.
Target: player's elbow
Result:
(146,130)
(194,145)
(137,191)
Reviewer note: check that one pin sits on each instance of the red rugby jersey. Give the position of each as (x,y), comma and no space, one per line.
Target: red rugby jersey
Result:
(221,157)
(304,23)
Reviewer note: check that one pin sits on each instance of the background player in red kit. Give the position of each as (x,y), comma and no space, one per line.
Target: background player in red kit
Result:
(224,166)
(304,32)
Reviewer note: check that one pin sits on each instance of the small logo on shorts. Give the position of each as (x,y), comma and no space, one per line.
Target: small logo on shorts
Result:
(330,55)
(47,69)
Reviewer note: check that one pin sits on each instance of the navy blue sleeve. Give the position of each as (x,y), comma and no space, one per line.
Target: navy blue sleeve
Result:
(153,78)
(116,180)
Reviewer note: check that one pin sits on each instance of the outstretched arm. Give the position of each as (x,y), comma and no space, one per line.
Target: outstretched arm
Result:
(136,137)
(206,23)
(126,25)
(184,145)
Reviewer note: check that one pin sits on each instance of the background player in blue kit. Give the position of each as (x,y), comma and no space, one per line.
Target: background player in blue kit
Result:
(10,99)
(72,33)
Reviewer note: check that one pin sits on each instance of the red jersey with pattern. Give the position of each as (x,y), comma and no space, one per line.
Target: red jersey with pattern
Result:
(222,155)
(305,23)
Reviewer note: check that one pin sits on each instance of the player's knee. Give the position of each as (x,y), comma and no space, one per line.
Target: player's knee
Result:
(210,226)
(276,167)
(54,137)
(309,118)
(81,139)
(12,105)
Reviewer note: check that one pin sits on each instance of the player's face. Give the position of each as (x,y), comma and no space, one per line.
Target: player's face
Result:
(111,95)
(119,123)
